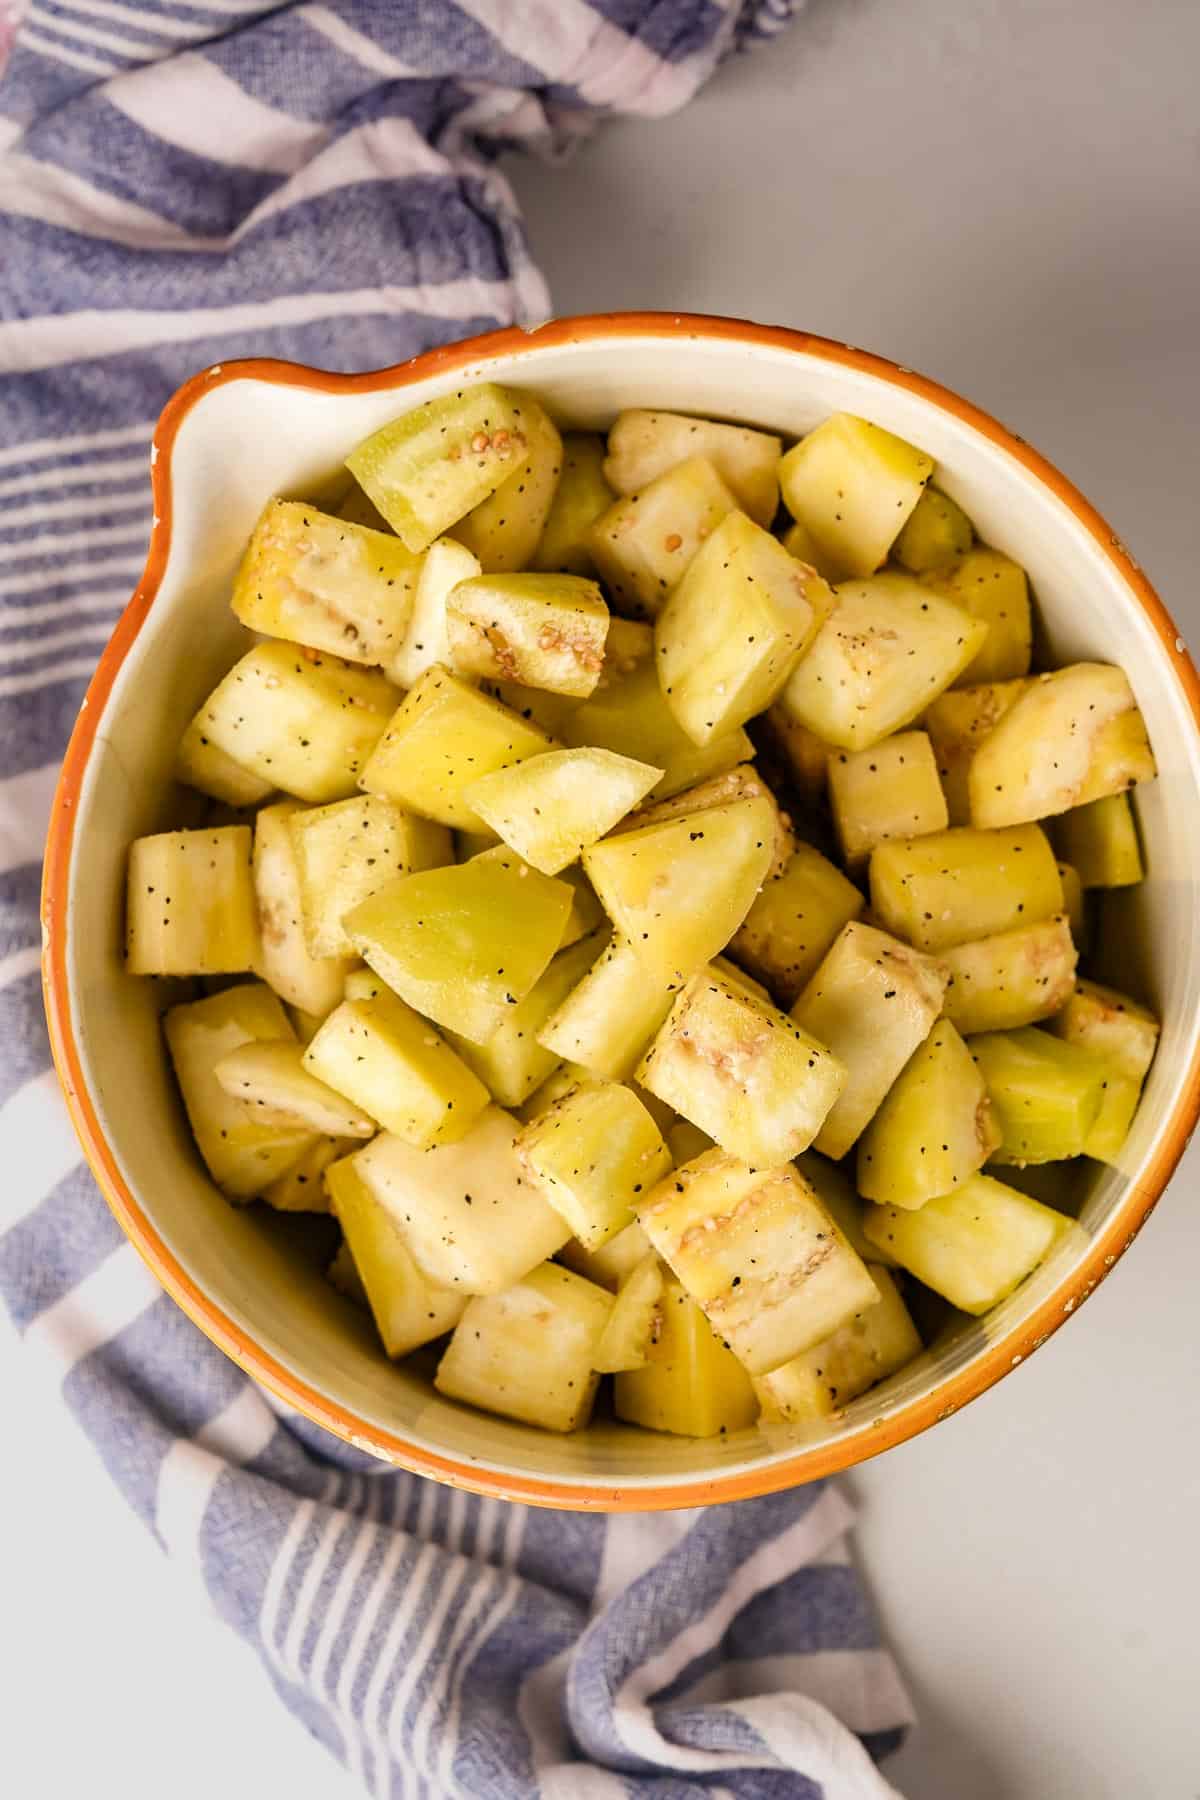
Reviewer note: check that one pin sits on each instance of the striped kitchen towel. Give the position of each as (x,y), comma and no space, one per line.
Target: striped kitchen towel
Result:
(182,181)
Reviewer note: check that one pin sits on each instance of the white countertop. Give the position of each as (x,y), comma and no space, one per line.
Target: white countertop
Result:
(1004,194)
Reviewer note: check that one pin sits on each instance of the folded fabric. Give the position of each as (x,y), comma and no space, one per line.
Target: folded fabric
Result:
(180,184)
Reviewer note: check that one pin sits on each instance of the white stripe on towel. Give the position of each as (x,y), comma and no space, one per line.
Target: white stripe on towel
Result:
(355,44)
(53,196)
(74,670)
(193,1466)
(25,802)
(74,59)
(119,468)
(109,599)
(64,573)
(82,33)
(38,449)
(96,1310)
(34,1125)
(54,339)
(191,103)
(38,511)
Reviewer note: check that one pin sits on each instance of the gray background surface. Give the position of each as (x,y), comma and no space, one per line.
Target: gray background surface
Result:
(1006,195)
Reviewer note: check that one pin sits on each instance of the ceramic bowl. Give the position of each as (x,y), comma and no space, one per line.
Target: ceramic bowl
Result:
(242,432)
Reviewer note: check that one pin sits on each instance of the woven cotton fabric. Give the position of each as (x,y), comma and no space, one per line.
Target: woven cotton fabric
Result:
(181,184)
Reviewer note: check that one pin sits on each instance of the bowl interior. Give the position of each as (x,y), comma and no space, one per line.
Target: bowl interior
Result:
(249,438)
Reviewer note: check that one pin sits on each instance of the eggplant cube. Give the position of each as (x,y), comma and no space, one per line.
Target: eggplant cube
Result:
(794,920)
(759,1253)
(542,631)
(325,582)
(644,542)
(954,886)
(302,1187)
(691,1383)
(303,721)
(606,1021)
(1124,1035)
(871,1002)
(463,944)
(972,1246)
(395,1068)
(348,851)
(889,791)
(1073,736)
(512,1064)
(1013,978)
(644,445)
(628,713)
(407,1308)
(678,891)
(992,587)
(734,627)
(189,904)
(629,1334)
(530,1352)
(1100,841)
(872,1345)
(592,1155)
(937,534)
(313,983)
(243,1153)
(551,808)
(467,1211)
(272,1077)
(888,649)
(935,1128)
(427,638)
(201,765)
(853,485)
(1046,1093)
(613,1262)
(581,496)
(444,736)
(738,1068)
(504,530)
(740,783)
(433,465)
(957,723)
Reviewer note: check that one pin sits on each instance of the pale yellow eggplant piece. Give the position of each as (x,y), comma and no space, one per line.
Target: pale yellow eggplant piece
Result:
(444,737)
(690,1385)
(889,791)
(467,1213)
(325,582)
(874,1344)
(1072,737)
(189,903)
(428,469)
(581,496)
(973,1246)
(963,884)
(853,485)
(643,445)
(887,650)
(935,1128)
(759,1253)
(541,631)
(530,1352)
(871,1001)
(644,542)
(394,1067)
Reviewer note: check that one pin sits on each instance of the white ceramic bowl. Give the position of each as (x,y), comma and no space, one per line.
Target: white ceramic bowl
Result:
(242,432)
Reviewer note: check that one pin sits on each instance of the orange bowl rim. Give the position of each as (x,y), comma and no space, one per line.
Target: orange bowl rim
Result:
(807,1464)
